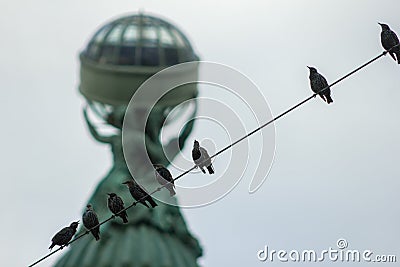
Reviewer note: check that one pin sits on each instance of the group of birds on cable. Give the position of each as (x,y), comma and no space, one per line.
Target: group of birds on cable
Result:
(200,156)
(390,43)
(115,203)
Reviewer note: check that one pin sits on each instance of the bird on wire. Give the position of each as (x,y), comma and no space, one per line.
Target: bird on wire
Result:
(139,194)
(389,39)
(115,204)
(164,177)
(90,220)
(64,235)
(317,83)
(201,158)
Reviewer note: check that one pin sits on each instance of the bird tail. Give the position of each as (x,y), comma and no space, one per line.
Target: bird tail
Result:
(171,190)
(152,202)
(392,55)
(52,246)
(210,169)
(398,57)
(201,168)
(96,233)
(328,99)
(124,218)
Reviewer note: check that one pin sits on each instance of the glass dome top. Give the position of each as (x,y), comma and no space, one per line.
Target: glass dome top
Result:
(139,40)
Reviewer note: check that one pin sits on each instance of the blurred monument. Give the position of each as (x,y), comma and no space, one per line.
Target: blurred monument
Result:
(117,60)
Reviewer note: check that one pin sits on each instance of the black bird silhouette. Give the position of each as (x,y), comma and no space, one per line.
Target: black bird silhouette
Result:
(389,39)
(64,235)
(115,204)
(317,83)
(90,220)
(201,158)
(139,194)
(164,177)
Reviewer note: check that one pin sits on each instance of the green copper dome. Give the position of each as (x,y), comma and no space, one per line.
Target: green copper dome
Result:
(127,51)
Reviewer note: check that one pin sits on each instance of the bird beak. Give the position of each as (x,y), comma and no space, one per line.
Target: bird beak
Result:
(109,194)
(380,23)
(77,222)
(308,67)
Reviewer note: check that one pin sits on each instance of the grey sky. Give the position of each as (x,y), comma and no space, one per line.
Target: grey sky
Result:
(335,172)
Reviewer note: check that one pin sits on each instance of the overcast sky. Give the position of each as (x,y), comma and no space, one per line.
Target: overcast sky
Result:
(335,173)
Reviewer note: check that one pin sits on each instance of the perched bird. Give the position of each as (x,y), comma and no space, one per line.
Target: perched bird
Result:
(389,39)
(164,177)
(139,194)
(201,158)
(115,204)
(64,235)
(90,220)
(317,83)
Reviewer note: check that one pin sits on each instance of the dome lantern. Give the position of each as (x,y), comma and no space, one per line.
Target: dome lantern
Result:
(127,51)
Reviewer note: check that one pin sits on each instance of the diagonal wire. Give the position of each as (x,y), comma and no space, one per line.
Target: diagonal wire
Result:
(223,150)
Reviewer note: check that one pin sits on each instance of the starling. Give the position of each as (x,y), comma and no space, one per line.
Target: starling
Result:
(318,82)
(90,220)
(139,194)
(201,158)
(389,39)
(164,177)
(64,235)
(115,204)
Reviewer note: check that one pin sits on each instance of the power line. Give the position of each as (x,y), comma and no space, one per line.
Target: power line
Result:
(287,111)
(223,150)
